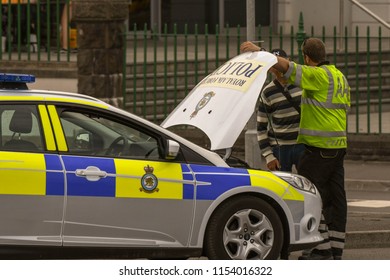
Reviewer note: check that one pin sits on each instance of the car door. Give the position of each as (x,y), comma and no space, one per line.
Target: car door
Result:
(32,179)
(120,191)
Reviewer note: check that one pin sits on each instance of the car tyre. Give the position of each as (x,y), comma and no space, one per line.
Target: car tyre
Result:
(245,227)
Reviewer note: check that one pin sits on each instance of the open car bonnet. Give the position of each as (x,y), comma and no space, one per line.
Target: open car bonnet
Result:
(222,103)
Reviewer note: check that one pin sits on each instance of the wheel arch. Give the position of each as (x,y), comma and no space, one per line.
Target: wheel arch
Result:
(275,202)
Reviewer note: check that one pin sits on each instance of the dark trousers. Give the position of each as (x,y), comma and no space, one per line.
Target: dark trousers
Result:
(325,168)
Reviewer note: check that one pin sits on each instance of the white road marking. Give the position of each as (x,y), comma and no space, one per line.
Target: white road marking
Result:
(370,203)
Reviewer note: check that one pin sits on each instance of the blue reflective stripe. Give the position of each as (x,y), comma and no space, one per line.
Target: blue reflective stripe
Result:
(188,189)
(74,162)
(216,169)
(184,168)
(80,186)
(53,162)
(55,184)
(211,181)
(221,179)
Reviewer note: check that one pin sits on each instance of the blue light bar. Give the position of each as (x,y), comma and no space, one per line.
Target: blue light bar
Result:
(16,78)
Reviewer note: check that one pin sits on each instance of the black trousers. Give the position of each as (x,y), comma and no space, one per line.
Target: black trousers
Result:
(325,168)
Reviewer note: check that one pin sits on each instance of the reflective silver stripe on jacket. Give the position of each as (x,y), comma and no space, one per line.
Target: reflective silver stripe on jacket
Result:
(298,75)
(325,105)
(310,132)
(328,103)
(289,70)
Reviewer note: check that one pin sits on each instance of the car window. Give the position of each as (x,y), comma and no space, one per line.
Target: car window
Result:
(20,128)
(92,134)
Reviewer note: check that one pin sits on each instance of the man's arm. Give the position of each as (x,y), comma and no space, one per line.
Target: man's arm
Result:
(248,46)
(282,64)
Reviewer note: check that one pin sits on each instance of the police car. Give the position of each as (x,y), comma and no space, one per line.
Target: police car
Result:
(82,178)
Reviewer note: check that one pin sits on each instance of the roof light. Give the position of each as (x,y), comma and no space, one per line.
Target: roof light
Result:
(15,81)
(17,78)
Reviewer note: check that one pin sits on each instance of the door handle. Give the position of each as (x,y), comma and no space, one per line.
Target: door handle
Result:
(91,173)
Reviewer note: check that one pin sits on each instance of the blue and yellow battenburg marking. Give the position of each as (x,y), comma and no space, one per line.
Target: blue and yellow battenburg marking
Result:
(22,174)
(80,186)
(130,175)
(30,174)
(38,174)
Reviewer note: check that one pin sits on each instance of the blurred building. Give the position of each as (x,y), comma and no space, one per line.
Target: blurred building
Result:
(318,14)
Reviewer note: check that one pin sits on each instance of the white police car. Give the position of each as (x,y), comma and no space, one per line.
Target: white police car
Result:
(81,178)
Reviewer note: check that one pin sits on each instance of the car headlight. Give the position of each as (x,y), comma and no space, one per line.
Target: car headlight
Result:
(297,181)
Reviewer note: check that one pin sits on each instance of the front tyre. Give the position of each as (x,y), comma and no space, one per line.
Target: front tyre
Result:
(244,228)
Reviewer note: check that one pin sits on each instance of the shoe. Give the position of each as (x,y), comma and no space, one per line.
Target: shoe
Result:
(337,258)
(317,255)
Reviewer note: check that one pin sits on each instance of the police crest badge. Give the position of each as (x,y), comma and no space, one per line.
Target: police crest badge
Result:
(202,103)
(149,181)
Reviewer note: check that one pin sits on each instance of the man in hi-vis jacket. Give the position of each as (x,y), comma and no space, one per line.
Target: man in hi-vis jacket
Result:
(324,105)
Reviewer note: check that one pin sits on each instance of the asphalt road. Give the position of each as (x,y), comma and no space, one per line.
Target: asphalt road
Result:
(358,254)
(369,222)
(368,210)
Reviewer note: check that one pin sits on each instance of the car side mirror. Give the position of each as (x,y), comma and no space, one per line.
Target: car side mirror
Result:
(173,149)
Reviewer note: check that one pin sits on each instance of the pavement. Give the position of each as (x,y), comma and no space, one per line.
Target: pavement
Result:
(368,227)
(69,85)
(365,229)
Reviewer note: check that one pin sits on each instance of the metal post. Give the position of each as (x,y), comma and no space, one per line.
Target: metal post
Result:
(250,20)
(221,12)
(301,36)
(252,150)
(155,17)
(341,24)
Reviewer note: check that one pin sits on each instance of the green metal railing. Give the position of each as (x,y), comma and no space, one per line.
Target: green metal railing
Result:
(361,58)
(32,30)
(160,69)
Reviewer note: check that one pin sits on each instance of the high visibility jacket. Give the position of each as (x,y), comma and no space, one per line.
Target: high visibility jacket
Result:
(325,103)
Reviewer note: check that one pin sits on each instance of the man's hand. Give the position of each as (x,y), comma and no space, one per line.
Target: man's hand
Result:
(282,64)
(249,47)
(273,165)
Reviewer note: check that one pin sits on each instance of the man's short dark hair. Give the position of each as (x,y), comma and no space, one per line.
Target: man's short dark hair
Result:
(315,49)
(279,52)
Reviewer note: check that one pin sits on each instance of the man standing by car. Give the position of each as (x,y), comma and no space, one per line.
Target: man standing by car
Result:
(278,118)
(325,102)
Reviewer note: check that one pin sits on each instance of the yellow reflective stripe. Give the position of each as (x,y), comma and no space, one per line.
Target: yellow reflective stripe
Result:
(77,101)
(267,180)
(74,100)
(130,172)
(49,136)
(61,142)
(22,173)
(21,98)
(293,194)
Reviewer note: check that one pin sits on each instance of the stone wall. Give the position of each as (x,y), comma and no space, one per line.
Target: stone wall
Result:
(100,35)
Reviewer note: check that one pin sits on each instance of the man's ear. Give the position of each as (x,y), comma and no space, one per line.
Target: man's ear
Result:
(307,60)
